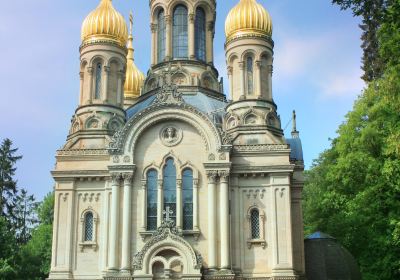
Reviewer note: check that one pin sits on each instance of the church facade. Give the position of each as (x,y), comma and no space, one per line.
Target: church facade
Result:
(162,177)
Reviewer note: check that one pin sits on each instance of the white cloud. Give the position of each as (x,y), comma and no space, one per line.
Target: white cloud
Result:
(345,83)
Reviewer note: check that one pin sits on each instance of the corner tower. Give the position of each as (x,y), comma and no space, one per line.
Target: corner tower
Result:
(102,74)
(249,57)
(182,44)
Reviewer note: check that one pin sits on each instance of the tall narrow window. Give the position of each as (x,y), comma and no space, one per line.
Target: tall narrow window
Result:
(161,36)
(249,70)
(169,188)
(200,34)
(97,89)
(180,32)
(255,224)
(152,200)
(88,226)
(187,195)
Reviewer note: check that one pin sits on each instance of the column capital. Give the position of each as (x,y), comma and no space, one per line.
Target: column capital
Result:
(81,75)
(241,65)
(212,175)
(168,19)
(224,175)
(90,70)
(258,64)
(229,69)
(128,177)
(179,183)
(115,178)
(195,183)
(153,27)
(210,26)
(191,18)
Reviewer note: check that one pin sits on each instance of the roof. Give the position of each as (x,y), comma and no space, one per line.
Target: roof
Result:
(296,147)
(212,107)
(326,259)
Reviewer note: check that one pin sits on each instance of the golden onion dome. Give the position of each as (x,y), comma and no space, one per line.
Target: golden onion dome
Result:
(134,77)
(248,18)
(104,24)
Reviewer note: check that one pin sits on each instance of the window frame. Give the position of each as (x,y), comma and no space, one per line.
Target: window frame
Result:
(180,33)
(92,244)
(260,241)
(200,36)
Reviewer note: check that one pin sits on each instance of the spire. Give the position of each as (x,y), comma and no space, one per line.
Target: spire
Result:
(130,38)
(295,133)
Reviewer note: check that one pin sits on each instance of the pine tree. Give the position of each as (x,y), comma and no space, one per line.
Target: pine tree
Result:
(8,185)
(23,217)
(372,13)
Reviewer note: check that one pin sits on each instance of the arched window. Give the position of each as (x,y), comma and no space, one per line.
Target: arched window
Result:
(249,74)
(97,88)
(200,34)
(169,188)
(88,236)
(255,224)
(161,36)
(180,32)
(152,199)
(187,195)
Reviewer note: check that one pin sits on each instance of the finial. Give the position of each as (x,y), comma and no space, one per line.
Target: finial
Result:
(131,23)
(295,133)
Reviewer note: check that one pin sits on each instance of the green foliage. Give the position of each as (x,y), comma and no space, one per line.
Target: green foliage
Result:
(8,249)
(353,189)
(35,257)
(371,13)
(8,186)
(23,216)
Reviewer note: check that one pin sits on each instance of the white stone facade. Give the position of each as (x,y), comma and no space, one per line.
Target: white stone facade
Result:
(245,218)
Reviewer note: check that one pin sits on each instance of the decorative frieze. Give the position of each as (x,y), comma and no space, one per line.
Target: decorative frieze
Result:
(90,197)
(260,148)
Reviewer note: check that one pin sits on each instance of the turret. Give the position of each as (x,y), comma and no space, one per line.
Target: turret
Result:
(249,57)
(182,44)
(102,71)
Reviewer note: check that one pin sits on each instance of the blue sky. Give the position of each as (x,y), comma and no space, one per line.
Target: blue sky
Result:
(316,71)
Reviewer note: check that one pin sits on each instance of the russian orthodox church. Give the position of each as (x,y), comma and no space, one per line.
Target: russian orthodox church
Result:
(163,177)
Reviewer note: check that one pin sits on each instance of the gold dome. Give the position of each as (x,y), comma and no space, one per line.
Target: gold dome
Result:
(134,77)
(105,24)
(248,18)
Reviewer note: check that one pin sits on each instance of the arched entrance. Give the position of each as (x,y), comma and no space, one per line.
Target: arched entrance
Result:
(166,255)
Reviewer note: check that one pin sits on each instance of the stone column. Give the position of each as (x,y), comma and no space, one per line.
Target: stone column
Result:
(224,219)
(191,36)
(212,220)
(104,89)
(168,39)
(153,28)
(143,225)
(258,79)
(89,94)
(209,41)
(127,222)
(270,72)
(81,77)
(120,87)
(242,81)
(229,70)
(160,204)
(179,207)
(196,204)
(113,252)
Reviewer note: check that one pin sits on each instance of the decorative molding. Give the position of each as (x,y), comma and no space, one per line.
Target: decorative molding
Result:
(167,230)
(260,148)
(82,152)
(90,197)
(170,135)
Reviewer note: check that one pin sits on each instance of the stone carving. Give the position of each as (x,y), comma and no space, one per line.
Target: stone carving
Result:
(260,148)
(165,231)
(82,152)
(255,193)
(171,136)
(89,197)
(211,157)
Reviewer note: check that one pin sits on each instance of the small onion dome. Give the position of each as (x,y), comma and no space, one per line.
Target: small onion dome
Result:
(104,24)
(134,77)
(248,18)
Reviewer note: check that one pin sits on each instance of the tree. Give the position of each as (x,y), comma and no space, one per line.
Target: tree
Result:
(8,186)
(8,250)
(23,217)
(34,257)
(353,189)
(372,13)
